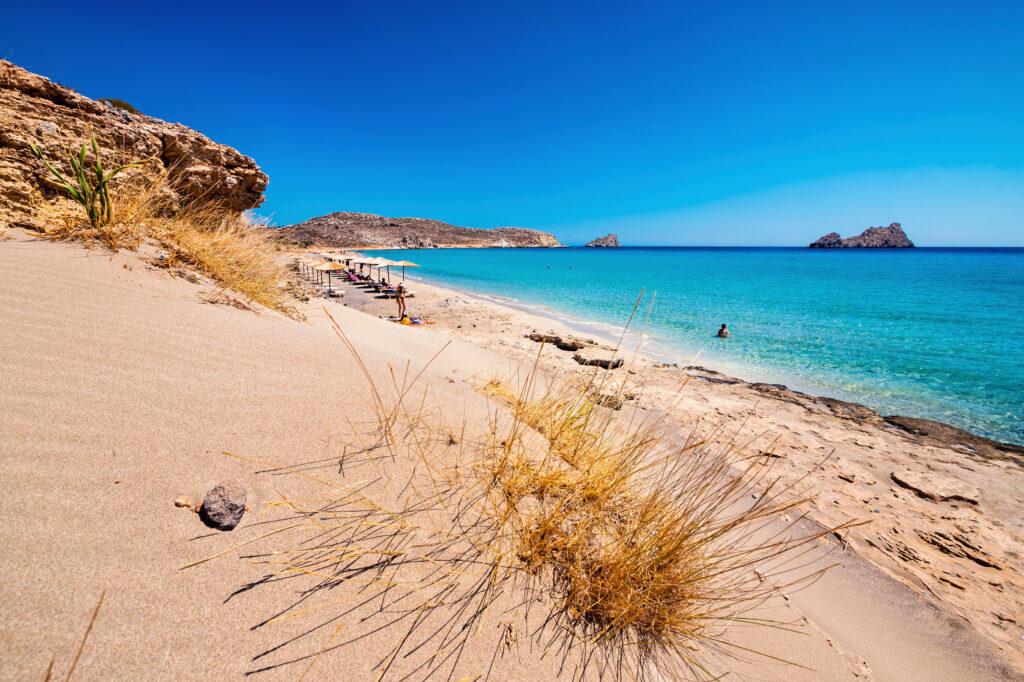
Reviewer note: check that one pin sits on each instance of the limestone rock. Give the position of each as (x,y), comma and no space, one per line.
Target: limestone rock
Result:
(365,230)
(224,505)
(33,109)
(931,488)
(892,237)
(610,240)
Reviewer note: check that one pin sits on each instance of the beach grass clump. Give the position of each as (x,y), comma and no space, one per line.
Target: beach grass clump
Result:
(649,548)
(224,246)
(237,253)
(89,186)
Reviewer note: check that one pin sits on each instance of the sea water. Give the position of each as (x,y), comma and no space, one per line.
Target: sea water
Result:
(936,333)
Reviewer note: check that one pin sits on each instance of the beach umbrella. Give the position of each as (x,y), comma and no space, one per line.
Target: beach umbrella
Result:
(405,264)
(330,269)
(309,262)
(372,263)
(315,266)
(385,263)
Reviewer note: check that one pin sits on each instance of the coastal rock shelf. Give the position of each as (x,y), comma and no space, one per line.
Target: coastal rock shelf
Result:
(892,237)
(36,110)
(366,230)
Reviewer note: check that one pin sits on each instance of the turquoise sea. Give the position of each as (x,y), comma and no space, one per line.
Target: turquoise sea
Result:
(929,332)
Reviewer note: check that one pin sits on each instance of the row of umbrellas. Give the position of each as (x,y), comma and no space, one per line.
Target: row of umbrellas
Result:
(318,264)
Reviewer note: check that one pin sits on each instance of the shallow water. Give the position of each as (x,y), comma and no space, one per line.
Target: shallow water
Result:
(937,333)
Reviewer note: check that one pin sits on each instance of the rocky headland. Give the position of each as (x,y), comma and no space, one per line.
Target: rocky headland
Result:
(892,237)
(366,230)
(34,109)
(610,240)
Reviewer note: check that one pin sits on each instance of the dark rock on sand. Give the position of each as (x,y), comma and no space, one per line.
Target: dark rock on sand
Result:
(224,505)
(610,240)
(561,342)
(892,237)
(596,357)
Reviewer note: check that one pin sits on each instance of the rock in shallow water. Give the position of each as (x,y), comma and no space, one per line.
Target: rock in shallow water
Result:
(224,505)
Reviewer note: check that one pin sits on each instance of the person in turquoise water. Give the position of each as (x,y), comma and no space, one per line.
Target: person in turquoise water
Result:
(723,332)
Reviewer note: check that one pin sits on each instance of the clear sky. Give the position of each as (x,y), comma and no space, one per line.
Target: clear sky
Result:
(668,122)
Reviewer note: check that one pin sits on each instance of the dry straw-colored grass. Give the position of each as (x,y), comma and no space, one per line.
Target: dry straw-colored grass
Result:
(222,244)
(600,541)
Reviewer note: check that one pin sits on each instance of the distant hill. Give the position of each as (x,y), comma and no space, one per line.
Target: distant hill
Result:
(892,237)
(365,230)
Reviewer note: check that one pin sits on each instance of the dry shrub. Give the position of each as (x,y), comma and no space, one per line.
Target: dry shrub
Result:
(649,547)
(234,253)
(637,553)
(222,244)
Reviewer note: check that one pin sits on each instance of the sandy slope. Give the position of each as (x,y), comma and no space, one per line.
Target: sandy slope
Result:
(120,390)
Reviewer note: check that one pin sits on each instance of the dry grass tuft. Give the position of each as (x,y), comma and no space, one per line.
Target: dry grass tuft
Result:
(637,551)
(203,235)
(649,547)
(239,256)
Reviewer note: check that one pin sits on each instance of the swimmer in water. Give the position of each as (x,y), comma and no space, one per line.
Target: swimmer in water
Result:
(723,332)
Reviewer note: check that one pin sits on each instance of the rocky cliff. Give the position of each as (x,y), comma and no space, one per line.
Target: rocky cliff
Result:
(892,237)
(352,230)
(610,240)
(58,119)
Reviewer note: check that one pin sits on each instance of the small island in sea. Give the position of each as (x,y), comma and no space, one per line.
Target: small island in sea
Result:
(609,241)
(892,237)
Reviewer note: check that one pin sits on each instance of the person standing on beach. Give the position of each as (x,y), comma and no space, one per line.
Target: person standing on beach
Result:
(723,332)
(400,298)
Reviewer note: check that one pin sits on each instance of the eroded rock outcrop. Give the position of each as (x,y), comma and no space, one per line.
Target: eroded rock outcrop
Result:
(34,109)
(892,237)
(362,230)
(610,240)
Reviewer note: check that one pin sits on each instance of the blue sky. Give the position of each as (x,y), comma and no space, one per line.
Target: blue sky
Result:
(668,122)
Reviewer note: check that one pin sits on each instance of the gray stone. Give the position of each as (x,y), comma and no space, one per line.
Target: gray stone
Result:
(224,505)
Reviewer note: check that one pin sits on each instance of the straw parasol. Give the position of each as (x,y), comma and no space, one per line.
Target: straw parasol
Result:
(372,263)
(330,269)
(385,263)
(307,263)
(405,264)
(315,265)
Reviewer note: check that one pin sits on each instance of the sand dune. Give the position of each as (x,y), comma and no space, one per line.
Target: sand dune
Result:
(120,390)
